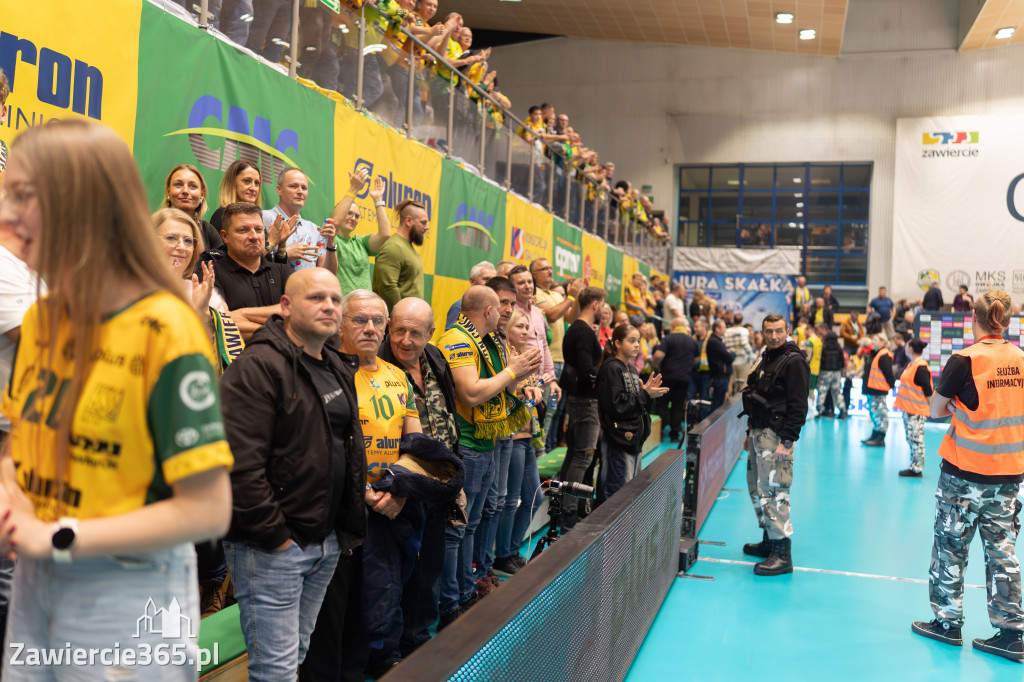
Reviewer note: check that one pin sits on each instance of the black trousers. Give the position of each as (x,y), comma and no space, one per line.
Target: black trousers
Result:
(423,589)
(338,648)
(675,407)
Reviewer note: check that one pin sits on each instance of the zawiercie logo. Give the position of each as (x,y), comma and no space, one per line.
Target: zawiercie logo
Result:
(958,137)
(937,145)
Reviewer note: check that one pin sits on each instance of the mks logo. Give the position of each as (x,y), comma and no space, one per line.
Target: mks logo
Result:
(61,82)
(473,227)
(240,141)
(959,137)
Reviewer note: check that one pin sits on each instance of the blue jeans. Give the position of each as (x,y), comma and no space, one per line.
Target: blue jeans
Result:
(719,390)
(457,580)
(483,551)
(618,467)
(521,502)
(231,20)
(279,596)
(97,603)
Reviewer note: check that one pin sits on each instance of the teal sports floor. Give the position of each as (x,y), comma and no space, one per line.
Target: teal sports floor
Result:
(861,546)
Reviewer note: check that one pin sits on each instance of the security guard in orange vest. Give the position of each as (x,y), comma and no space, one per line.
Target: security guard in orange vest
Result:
(878,381)
(982,387)
(912,397)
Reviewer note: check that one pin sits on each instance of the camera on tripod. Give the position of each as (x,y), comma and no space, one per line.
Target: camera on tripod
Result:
(557,490)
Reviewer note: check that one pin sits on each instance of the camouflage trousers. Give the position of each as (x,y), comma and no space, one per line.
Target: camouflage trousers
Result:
(831,380)
(961,509)
(879,413)
(768,481)
(913,425)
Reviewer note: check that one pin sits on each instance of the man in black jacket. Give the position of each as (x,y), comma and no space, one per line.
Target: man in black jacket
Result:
(720,365)
(407,345)
(675,358)
(775,401)
(582,354)
(298,483)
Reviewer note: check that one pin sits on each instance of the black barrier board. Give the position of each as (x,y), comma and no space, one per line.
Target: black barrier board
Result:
(712,449)
(581,610)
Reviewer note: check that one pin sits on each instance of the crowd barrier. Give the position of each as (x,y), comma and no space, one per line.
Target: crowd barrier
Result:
(177,94)
(713,447)
(581,610)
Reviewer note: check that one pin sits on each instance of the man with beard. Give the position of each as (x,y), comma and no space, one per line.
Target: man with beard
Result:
(398,270)
(775,401)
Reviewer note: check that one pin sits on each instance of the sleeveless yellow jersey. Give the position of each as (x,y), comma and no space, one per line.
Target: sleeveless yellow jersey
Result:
(149,414)
(385,400)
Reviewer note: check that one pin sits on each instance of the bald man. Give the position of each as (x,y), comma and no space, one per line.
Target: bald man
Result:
(407,346)
(299,480)
(487,382)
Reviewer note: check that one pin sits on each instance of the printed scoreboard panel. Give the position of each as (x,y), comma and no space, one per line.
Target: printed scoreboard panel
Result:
(947,333)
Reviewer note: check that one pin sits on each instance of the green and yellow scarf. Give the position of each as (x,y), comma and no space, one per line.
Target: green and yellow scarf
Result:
(504,414)
(227,340)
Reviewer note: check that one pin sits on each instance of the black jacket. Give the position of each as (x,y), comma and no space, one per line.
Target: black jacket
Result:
(719,358)
(932,299)
(625,415)
(437,362)
(776,392)
(280,435)
(832,358)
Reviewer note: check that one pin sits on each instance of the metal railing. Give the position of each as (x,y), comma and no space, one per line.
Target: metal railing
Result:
(465,122)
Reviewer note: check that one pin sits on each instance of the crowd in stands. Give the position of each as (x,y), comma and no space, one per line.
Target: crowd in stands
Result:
(329,57)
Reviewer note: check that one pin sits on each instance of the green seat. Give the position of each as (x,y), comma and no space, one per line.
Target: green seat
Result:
(224,630)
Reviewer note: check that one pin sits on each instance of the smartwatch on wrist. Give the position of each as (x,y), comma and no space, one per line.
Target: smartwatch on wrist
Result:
(62,542)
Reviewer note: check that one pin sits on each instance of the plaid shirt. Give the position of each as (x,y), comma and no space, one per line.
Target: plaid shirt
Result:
(737,339)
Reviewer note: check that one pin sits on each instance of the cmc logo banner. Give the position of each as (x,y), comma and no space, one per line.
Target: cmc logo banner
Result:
(252,141)
(473,227)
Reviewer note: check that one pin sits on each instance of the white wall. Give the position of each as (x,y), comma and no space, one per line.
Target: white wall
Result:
(649,107)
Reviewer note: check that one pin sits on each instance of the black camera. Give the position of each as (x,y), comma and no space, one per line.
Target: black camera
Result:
(556,487)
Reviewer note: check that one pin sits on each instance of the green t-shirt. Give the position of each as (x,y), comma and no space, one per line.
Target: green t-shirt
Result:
(398,271)
(353,262)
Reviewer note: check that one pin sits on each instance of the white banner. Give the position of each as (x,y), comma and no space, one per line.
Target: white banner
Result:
(752,261)
(958,206)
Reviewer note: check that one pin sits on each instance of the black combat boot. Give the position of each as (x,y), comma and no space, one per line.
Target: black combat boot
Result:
(843,414)
(762,549)
(877,442)
(780,561)
(874,435)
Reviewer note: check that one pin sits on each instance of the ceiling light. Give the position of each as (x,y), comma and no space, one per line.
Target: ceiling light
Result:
(783,18)
(798,195)
(807,34)
(798,180)
(1005,32)
(799,214)
(799,204)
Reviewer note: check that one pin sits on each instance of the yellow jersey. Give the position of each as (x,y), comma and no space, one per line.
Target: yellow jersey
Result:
(385,400)
(148,416)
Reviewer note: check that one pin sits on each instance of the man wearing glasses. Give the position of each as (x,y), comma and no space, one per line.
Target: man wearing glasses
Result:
(775,401)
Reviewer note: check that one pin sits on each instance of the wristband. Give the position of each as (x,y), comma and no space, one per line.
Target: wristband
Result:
(330,249)
(511,373)
(351,194)
(378,204)
(571,298)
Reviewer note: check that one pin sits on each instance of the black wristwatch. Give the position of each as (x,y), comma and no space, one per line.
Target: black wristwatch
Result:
(788,444)
(65,533)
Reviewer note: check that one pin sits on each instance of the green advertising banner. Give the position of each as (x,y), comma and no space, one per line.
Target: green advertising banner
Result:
(567,258)
(644,269)
(613,280)
(470,222)
(204,102)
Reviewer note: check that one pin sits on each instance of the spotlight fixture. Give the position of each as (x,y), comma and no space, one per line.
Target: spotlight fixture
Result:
(784,18)
(807,34)
(1004,33)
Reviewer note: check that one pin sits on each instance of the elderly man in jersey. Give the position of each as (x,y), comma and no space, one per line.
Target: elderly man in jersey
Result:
(298,483)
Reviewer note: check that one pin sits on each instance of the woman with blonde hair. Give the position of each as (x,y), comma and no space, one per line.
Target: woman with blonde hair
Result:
(185,190)
(982,469)
(523,479)
(116,461)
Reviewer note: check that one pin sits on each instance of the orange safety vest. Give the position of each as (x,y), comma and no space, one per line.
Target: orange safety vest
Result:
(909,396)
(990,439)
(876,380)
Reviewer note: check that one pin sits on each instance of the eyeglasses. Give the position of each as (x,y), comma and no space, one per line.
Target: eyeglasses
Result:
(19,199)
(363,320)
(547,269)
(173,240)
